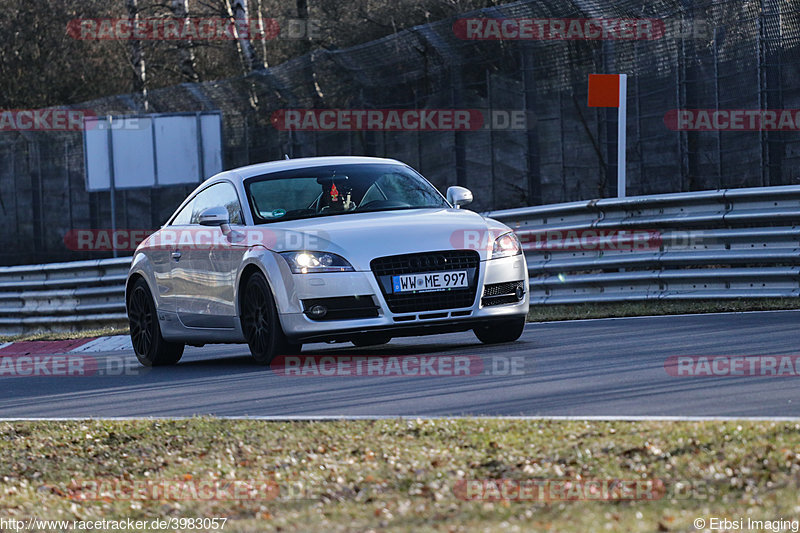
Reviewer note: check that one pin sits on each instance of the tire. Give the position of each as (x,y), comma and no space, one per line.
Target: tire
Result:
(292,349)
(371,339)
(501,331)
(150,347)
(260,322)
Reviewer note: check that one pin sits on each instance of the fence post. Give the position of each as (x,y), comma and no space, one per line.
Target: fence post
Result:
(113,185)
(458,137)
(489,98)
(531,132)
(68,184)
(770,92)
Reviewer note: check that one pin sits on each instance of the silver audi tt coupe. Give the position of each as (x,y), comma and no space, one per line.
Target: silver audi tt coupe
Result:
(327,249)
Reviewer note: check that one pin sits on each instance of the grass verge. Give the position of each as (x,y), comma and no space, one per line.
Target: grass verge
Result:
(545,313)
(64,335)
(399,475)
(538,313)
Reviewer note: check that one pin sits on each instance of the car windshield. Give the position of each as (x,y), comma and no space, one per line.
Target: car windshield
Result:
(338,190)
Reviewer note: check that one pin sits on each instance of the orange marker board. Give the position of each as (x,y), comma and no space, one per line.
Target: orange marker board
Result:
(603,90)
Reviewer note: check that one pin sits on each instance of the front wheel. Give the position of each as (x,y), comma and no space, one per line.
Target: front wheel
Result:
(260,323)
(501,331)
(150,347)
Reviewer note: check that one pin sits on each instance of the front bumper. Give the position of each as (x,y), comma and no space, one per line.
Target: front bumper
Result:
(299,327)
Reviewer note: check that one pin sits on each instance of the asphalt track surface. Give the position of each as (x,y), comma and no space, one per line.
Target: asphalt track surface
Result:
(590,368)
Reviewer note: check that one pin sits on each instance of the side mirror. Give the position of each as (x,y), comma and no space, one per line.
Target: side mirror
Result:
(214,216)
(459,196)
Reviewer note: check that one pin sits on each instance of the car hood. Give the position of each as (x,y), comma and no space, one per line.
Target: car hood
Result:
(359,238)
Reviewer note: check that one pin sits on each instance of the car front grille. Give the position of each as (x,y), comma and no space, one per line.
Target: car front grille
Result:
(448,260)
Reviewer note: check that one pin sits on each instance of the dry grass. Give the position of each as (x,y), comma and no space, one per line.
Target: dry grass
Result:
(399,475)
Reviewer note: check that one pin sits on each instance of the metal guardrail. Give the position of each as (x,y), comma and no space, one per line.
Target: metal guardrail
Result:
(729,243)
(63,296)
(712,244)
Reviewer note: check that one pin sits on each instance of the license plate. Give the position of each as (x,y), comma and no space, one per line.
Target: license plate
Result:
(431,281)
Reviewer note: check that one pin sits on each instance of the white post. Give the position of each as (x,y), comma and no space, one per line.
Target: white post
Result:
(622,114)
(112,181)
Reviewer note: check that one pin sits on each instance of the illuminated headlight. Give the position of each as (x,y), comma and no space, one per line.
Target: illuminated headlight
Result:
(312,262)
(506,245)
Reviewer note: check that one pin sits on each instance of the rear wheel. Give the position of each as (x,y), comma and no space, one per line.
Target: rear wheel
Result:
(501,331)
(260,322)
(150,347)
(371,339)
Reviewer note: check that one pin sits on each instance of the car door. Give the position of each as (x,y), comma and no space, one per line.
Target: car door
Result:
(209,262)
(166,259)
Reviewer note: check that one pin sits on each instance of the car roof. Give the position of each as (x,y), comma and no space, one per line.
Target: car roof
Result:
(306,162)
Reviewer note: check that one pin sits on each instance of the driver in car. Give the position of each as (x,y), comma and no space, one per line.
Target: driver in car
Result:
(335,200)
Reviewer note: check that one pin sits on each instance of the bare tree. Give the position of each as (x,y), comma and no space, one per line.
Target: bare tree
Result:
(186,59)
(239,12)
(137,55)
(259,10)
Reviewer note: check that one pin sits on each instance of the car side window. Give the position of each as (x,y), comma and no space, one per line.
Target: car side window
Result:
(184,216)
(218,195)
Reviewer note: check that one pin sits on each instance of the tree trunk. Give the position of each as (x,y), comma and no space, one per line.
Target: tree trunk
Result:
(239,12)
(264,62)
(180,10)
(302,9)
(137,56)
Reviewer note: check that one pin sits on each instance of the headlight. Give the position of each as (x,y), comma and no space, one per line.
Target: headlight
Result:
(312,262)
(506,245)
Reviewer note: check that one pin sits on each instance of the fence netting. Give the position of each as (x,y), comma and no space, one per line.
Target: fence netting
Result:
(713,55)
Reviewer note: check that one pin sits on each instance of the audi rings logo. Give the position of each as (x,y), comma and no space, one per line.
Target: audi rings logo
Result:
(427,261)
